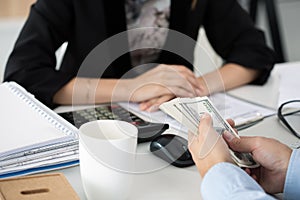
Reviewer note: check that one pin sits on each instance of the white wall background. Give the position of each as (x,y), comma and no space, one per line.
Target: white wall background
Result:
(289,11)
(9,30)
(288,15)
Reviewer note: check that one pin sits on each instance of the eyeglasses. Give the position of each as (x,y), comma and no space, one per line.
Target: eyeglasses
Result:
(289,114)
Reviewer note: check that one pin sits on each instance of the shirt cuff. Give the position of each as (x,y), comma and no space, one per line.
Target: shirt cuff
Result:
(292,181)
(227,181)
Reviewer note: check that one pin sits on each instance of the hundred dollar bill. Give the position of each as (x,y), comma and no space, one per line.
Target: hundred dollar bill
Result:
(188,111)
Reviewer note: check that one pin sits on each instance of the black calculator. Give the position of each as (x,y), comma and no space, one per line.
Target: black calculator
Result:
(147,131)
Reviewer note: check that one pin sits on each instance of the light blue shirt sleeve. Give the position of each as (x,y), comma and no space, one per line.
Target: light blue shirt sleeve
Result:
(292,181)
(227,181)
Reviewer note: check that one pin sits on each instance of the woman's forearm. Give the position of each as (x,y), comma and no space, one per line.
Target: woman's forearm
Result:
(227,77)
(91,91)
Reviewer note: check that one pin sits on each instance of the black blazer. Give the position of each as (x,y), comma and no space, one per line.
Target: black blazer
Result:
(86,23)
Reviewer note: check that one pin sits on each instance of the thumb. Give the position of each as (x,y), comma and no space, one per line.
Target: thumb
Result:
(242,144)
(205,125)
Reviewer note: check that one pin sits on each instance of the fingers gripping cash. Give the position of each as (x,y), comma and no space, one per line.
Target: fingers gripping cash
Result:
(189,111)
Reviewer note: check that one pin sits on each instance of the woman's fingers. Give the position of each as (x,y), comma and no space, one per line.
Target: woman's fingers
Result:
(153,104)
(171,80)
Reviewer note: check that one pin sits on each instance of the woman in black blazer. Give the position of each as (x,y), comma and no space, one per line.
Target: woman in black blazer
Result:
(84,24)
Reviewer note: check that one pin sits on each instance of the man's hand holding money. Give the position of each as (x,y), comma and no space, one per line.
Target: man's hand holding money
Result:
(208,147)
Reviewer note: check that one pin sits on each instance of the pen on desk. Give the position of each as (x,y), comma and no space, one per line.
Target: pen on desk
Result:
(247,122)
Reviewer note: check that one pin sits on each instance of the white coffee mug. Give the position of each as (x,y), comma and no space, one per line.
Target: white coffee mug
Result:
(107,151)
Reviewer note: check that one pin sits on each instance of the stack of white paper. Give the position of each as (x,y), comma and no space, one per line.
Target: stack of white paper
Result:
(33,137)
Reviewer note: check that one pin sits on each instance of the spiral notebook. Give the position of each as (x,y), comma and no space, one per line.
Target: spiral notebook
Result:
(33,137)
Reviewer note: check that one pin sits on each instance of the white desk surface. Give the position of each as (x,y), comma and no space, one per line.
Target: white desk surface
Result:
(184,183)
(179,183)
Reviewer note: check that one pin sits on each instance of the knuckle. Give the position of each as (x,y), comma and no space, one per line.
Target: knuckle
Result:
(236,142)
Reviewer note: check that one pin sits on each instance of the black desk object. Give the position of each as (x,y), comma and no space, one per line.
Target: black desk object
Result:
(147,131)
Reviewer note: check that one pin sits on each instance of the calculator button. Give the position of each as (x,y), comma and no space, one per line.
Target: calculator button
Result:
(146,130)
